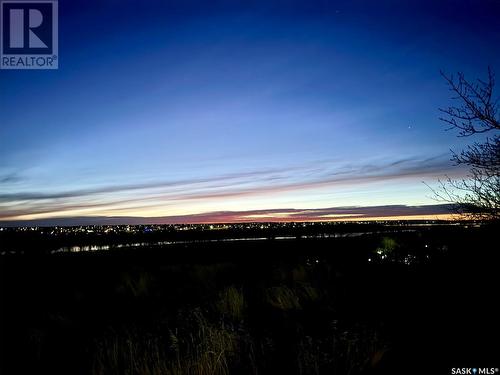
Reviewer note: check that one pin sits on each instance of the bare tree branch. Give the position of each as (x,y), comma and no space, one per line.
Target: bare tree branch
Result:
(478,194)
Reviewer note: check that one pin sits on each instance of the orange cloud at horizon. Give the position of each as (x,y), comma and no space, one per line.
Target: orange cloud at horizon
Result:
(329,214)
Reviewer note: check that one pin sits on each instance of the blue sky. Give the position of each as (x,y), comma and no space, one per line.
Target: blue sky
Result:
(184,108)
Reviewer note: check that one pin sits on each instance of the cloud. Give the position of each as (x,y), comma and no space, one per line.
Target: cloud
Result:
(323,214)
(253,183)
(10,178)
(31,195)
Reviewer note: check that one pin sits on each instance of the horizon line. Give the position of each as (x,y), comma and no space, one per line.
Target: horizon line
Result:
(438,212)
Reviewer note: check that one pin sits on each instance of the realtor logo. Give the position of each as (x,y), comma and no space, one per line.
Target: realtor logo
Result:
(29,34)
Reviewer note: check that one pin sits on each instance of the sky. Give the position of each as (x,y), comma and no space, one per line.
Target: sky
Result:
(240,110)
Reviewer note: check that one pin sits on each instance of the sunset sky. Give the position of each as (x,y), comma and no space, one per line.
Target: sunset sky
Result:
(202,111)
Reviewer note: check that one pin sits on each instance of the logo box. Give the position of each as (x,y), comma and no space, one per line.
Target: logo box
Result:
(29,34)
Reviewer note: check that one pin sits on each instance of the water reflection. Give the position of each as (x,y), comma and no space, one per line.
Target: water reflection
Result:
(135,245)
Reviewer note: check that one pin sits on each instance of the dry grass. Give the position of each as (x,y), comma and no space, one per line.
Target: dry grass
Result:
(136,285)
(342,352)
(231,303)
(282,297)
(206,351)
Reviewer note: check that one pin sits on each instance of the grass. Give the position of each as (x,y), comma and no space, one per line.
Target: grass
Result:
(203,349)
(231,303)
(334,313)
(282,298)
